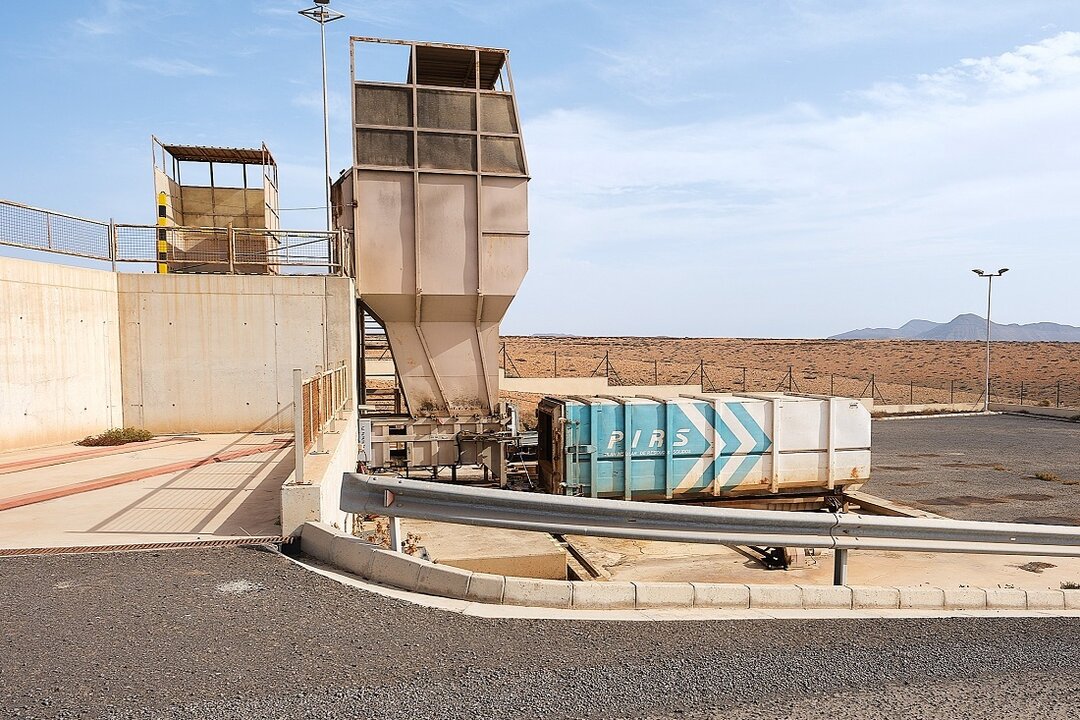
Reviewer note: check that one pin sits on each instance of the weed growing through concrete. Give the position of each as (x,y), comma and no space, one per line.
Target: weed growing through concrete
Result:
(117,436)
(1047,476)
(1070,585)
(380,535)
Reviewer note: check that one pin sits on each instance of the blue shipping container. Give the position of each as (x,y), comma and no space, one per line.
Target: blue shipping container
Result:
(643,448)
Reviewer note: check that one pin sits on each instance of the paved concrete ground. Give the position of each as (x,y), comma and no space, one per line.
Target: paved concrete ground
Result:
(247,634)
(238,497)
(971,468)
(980,468)
(641,560)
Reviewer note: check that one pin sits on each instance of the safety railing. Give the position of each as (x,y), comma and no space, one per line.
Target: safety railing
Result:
(318,402)
(36,229)
(420,500)
(187,249)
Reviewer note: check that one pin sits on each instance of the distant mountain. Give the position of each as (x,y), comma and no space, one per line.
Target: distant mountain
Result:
(967,327)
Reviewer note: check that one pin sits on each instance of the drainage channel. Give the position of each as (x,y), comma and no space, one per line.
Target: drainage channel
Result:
(278,540)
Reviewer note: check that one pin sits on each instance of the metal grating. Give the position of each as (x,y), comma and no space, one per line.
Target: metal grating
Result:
(143,547)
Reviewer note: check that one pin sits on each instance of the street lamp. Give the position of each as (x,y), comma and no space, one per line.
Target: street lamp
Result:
(322,14)
(989,287)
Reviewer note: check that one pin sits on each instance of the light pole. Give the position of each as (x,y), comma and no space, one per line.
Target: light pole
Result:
(322,14)
(989,288)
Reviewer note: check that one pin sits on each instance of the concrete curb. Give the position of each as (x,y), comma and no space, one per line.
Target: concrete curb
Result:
(407,573)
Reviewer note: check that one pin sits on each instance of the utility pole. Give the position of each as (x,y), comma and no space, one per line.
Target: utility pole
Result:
(989,289)
(322,14)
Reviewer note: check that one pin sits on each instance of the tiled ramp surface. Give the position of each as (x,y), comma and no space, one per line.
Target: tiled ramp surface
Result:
(229,489)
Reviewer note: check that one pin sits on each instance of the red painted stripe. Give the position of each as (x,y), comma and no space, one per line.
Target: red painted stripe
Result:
(110,480)
(77,455)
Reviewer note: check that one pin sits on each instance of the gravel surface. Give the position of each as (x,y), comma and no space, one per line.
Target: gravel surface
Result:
(980,467)
(244,633)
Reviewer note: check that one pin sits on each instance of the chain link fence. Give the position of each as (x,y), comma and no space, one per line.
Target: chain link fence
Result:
(715,377)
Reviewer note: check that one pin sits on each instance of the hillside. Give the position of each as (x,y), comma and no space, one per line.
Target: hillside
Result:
(967,327)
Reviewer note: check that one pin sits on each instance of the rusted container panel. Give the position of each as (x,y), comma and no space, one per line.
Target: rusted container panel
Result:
(704,445)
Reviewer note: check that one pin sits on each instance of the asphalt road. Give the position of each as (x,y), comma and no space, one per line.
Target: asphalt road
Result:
(980,467)
(244,633)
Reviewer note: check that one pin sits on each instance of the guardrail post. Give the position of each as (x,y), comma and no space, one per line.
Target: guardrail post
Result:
(395,534)
(298,424)
(839,576)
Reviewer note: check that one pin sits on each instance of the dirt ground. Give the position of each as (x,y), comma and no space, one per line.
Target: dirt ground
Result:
(900,371)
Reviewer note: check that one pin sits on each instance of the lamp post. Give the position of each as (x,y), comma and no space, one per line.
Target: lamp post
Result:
(989,288)
(322,14)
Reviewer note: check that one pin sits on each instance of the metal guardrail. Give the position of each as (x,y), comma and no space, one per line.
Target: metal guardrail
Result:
(417,499)
(190,249)
(317,403)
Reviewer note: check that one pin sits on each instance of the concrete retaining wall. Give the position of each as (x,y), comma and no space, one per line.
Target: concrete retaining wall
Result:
(1063,413)
(320,500)
(588,386)
(215,353)
(925,408)
(59,353)
(408,573)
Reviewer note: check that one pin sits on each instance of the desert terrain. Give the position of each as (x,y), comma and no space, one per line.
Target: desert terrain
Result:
(903,371)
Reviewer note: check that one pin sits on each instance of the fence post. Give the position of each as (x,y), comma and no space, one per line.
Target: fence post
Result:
(790,378)
(831,384)
(1021,393)
(298,424)
(230,236)
(48,230)
(112,243)
(911,393)
(556,354)
(1058,393)
(952,392)
(655,374)
(744,379)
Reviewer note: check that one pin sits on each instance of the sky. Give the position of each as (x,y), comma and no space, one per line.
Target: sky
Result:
(723,168)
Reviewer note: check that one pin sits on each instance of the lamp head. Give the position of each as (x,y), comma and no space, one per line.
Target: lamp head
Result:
(978,272)
(1002,271)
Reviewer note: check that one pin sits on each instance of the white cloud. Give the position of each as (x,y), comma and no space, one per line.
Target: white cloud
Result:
(1053,61)
(979,161)
(110,20)
(171,67)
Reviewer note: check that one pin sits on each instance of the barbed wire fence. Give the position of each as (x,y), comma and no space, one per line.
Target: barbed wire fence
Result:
(715,377)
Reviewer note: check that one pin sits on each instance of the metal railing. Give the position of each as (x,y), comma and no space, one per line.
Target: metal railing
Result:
(420,500)
(189,249)
(318,402)
(36,229)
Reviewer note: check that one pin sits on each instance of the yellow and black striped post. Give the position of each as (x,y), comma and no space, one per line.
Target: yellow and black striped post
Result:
(162,238)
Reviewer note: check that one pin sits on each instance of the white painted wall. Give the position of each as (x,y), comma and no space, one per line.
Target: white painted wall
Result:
(59,353)
(215,353)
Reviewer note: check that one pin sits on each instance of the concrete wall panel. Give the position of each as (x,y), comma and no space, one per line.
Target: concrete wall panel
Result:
(59,353)
(215,353)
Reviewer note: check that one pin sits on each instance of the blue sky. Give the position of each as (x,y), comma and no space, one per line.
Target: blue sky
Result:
(729,168)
